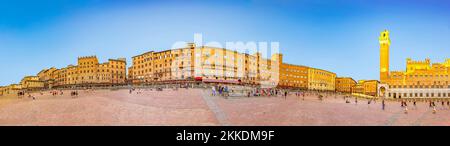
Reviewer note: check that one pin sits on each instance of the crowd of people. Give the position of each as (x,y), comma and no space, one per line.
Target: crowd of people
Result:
(445,104)
(56,92)
(411,103)
(140,90)
(32,95)
(227,90)
(405,103)
(264,92)
(220,90)
(223,90)
(74,93)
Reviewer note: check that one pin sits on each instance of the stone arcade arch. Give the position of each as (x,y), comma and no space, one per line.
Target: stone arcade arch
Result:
(383,90)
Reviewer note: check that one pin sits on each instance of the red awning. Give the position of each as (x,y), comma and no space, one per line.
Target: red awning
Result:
(198,78)
(221,81)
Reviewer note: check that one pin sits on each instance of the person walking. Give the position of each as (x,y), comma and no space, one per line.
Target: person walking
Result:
(414,103)
(285,95)
(406,107)
(220,90)
(434,109)
(213,90)
(226,91)
(383,105)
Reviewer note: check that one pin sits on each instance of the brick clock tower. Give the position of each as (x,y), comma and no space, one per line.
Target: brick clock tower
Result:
(385,42)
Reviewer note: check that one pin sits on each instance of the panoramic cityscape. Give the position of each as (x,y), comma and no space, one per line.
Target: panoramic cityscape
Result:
(210,65)
(216,75)
(322,69)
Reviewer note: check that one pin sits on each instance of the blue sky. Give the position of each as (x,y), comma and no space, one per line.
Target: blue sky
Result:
(336,35)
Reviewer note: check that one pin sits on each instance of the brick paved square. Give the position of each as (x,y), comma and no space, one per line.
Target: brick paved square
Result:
(197,107)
